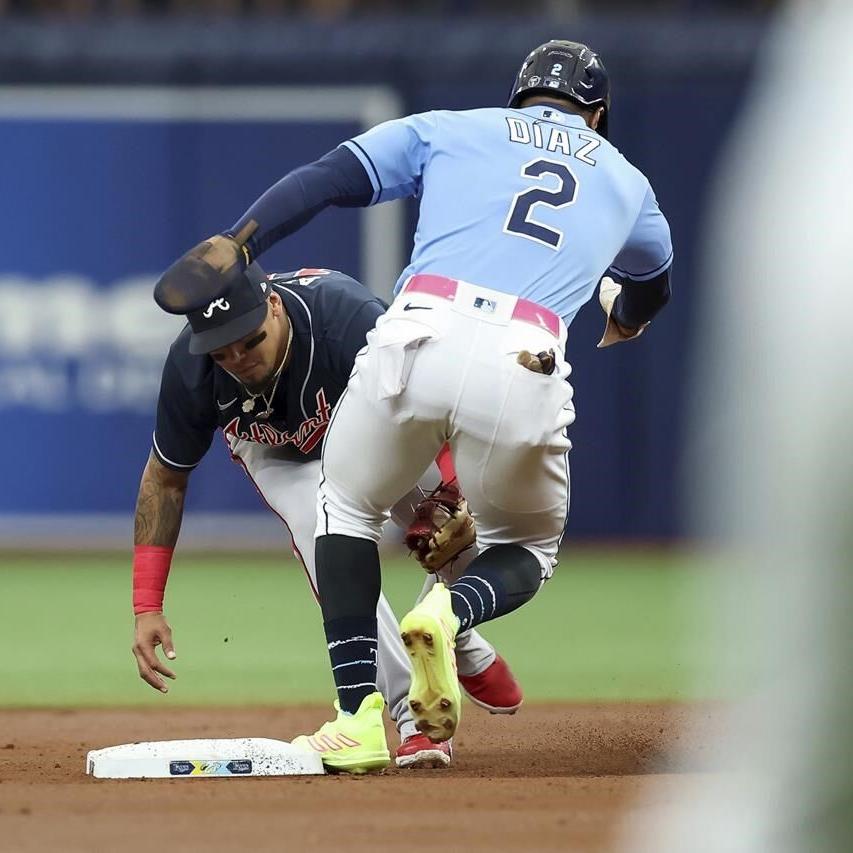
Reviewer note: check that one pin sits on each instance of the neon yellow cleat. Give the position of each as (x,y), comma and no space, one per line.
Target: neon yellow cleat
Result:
(429,635)
(351,743)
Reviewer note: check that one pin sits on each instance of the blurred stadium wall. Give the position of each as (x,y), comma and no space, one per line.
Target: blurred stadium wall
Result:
(126,140)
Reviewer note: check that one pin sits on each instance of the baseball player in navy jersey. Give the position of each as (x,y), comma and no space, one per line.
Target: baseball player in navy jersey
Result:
(524,210)
(265,362)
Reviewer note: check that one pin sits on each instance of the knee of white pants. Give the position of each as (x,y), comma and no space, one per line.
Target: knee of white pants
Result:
(547,559)
(341,514)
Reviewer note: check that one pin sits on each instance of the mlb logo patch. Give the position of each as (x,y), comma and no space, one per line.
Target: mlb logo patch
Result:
(487,305)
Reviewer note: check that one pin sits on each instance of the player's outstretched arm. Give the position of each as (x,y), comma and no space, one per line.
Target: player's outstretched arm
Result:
(337,178)
(159,510)
(204,271)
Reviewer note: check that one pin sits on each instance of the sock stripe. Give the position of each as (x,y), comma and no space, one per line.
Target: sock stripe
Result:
(488,586)
(353,650)
(479,597)
(334,644)
(467,604)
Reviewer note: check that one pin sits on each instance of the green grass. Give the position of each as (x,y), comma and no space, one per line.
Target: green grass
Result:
(610,626)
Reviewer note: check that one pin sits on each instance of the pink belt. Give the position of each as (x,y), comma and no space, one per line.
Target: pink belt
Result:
(525,310)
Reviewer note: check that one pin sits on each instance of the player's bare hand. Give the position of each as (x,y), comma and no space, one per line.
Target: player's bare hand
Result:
(614,333)
(151,631)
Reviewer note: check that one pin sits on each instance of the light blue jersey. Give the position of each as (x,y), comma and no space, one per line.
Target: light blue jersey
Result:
(525,201)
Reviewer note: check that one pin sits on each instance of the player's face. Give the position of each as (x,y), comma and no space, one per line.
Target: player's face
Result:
(254,358)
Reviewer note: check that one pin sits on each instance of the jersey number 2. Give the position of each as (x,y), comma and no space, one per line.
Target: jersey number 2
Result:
(519,220)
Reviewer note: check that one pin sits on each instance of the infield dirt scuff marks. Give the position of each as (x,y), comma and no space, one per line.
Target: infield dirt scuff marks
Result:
(552,777)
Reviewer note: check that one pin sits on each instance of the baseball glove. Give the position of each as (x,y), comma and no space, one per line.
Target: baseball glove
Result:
(442,527)
(204,272)
(542,362)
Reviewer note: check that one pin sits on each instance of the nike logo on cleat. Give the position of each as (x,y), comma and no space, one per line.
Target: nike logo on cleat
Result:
(409,307)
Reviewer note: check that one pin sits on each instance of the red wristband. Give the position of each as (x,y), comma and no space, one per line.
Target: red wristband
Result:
(445,464)
(151,565)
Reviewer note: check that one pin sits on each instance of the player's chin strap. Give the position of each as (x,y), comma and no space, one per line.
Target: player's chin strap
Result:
(249,404)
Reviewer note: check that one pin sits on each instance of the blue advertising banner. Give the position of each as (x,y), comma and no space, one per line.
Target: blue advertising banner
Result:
(101,190)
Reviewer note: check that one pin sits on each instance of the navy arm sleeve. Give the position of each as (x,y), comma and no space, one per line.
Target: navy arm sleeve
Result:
(640,301)
(184,428)
(337,178)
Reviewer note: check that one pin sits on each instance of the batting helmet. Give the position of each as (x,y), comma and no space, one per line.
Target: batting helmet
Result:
(565,69)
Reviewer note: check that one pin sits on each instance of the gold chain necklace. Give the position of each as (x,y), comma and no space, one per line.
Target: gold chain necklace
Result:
(249,404)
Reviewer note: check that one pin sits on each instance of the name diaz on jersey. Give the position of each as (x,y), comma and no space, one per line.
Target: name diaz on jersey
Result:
(552,137)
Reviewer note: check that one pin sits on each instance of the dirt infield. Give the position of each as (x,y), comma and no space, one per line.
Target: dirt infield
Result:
(554,777)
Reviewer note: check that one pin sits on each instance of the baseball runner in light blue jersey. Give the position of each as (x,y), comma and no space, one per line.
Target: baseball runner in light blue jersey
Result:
(527,201)
(524,210)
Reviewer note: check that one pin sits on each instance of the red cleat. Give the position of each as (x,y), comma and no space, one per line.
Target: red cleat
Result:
(418,752)
(494,689)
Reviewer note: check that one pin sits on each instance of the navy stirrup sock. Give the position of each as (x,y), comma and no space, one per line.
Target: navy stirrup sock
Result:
(497,582)
(348,583)
(352,651)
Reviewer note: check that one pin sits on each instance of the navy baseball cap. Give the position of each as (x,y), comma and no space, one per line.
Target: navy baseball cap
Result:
(237,310)
(222,298)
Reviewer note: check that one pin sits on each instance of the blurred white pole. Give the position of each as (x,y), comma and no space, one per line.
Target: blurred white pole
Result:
(772,468)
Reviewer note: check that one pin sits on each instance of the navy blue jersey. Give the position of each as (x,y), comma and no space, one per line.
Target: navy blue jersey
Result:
(331,315)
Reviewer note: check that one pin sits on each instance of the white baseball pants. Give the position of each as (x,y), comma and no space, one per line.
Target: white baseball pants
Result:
(438,369)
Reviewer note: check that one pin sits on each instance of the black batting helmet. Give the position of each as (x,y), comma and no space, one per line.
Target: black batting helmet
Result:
(566,69)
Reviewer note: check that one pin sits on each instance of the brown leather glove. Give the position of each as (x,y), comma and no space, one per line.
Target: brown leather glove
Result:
(442,527)
(542,362)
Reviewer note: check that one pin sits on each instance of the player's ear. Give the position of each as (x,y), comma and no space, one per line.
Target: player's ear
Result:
(596,118)
(275,305)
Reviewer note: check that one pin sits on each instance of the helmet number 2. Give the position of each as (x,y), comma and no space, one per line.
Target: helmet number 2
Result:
(519,220)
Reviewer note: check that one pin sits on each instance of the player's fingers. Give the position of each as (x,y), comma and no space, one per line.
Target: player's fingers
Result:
(146,673)
(146,657)
(157,666)
(151,677)
(149,652)
(168,645)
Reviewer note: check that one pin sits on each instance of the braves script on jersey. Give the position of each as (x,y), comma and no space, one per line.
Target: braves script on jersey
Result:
(525,201)
(331,315)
